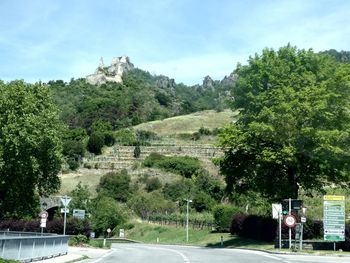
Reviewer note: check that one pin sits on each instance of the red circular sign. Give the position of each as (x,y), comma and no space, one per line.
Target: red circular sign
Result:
(44,214)
(290,221)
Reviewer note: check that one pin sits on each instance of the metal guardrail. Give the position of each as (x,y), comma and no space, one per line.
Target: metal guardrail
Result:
(25,246)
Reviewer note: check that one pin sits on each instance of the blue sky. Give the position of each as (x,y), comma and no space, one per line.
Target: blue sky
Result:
(183,39)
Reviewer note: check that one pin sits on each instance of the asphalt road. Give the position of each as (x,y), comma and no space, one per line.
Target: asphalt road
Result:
(134,253)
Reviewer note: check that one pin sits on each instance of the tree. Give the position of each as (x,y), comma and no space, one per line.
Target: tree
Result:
(293,128)
(116,185)
(30,148)
(96,142)
(106,213)
(80,197)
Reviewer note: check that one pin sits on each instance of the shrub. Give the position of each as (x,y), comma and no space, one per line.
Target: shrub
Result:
(236,226)
(115,185)
(222,217)
(254,227)
(125,137)
(137,151)
(202,202)
(183,165)
(95,143)
(78,240)
(153,184)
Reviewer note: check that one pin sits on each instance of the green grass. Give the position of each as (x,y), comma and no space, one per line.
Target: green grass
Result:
(189,123)
(149,233)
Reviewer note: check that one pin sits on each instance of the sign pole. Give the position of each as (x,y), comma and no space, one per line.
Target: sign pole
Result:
(279,230)
(65,200)
(290,230)
(301,237)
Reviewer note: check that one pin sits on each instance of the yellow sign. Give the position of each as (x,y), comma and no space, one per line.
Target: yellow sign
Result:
(333,198)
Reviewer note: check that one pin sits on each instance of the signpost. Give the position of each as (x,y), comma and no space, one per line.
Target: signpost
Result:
(43,218)
(334,218)
(276,214)
(65,201)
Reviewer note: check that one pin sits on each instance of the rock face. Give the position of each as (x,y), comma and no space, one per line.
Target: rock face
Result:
(229,80)
(113,73)
(166,83)
(208,83)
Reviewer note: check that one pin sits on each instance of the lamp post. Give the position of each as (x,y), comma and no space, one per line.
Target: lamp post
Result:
(188,202)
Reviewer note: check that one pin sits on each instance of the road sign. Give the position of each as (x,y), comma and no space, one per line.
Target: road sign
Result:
(303,219)
(334,217)
(43,214)
(65,200)
(289,221)
(79,213)
(64,210)
(276,210)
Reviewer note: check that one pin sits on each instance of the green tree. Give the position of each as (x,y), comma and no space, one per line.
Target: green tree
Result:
(293,128)
(106,213)
(96,142)
(80,197)
(30,148)
(116,185)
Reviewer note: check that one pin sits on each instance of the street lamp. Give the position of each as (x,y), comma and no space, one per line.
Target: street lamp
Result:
(188,202)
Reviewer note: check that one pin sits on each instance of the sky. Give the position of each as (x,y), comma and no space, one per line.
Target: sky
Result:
(182,39)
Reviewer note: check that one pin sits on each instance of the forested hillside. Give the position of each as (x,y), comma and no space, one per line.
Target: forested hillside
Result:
(142,97)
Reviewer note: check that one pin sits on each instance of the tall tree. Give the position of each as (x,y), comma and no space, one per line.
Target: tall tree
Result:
(294,124)
(30,148)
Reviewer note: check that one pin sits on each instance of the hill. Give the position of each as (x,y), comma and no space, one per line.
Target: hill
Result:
(189,123)
(119,157)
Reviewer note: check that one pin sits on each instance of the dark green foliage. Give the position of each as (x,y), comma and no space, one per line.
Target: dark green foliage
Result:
(254,227)
(183,165)
(202,202)
(293,129)
(153,184)
(179,190)
(340,56)
(96,142)
(125,137)
(140,98)
(223,215)
(145,204)
(74,226)
(137,151)
(211,186)
(106,213)
(30,148)
(146,135)
(80,198)
(116,186)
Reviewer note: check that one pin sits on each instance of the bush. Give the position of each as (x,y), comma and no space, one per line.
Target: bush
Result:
(106,213)
(115,185)
(78,240)
(125,137)
(203,202)
(222,217)
(74,226)
(95,143)
(254,227)
(183,165)
(153,184)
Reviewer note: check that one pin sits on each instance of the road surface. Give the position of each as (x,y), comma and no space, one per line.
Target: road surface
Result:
(134,253)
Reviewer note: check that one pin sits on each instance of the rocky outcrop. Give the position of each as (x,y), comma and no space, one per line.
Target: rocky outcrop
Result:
(208,83)
(229,80)
(166,83)
(112,73)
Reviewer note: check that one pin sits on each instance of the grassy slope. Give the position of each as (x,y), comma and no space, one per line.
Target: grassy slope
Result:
(189,123)
(181,124)
(148,233)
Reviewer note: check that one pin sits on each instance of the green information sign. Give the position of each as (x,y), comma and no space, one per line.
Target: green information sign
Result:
(334,217)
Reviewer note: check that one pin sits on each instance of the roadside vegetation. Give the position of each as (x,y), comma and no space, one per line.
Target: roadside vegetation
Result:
(286,135)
